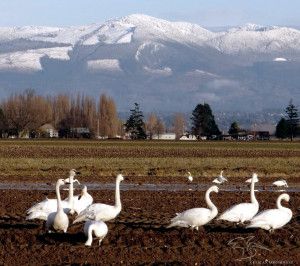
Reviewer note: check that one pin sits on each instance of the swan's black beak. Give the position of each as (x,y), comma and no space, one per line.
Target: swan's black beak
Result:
(78,173)
(66,181)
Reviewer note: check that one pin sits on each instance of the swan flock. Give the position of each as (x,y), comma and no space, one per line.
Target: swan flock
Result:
(56,212)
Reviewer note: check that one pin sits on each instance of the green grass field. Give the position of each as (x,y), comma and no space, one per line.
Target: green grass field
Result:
(44,158)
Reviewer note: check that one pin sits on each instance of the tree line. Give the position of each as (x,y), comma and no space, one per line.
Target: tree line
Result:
(25,113)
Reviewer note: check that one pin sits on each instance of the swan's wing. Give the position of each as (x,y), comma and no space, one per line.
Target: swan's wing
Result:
(42,211)
(90,212)
(37,215)
(47,205)
(178,223)
(192,216)
(224,179)
(82,203)
(274,218)
(238,212)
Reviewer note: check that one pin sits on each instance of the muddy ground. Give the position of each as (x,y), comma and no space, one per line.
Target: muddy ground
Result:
(139,235)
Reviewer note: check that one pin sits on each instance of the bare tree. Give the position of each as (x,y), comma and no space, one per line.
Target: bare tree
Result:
(89,113)
(121,129)
(179,125)
(26,112)
(159,127)
(61,105)
(112,118)
(150,125)
(108,117)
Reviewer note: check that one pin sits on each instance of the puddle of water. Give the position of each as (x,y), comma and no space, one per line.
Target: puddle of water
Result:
(145,187)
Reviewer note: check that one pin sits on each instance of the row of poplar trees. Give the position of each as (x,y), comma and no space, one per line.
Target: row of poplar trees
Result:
(25,113)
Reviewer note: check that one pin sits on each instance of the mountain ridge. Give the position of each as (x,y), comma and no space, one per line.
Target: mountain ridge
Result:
(166,66)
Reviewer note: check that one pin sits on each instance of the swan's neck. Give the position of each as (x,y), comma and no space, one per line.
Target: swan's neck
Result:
(90,235)
(278,203)
(59,205)
(71,190)
(209,203)
(117,196)
(253,199)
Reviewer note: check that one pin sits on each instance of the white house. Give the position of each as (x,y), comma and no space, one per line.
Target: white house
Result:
(49,130)
(165,136)
(188,137)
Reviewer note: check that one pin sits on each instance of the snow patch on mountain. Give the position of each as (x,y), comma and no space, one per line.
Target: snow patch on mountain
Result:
(280,59)
(150,47)
(201,73)
(112,32)
(243,41)
(253,27)
(29,60)
(166,71)
(104,65)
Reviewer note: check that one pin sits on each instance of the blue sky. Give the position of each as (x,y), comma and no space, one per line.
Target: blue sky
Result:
(204,12)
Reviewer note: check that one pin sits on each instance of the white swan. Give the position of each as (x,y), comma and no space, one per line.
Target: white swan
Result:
(244,211)
(280,183)
(220,179)
(42,209)
(58,220)
(273,218)
(197,216)
(99,229)
(82,201)
(250,180)
(100,211)
(190,178)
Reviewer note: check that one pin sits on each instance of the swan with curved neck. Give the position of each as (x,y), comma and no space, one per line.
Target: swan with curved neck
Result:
(82,201)
(273,218)
(98,228)
(70,199)
(220,179)
(100,211)
(42,209)
(242,212)
(197,216)
(58,220)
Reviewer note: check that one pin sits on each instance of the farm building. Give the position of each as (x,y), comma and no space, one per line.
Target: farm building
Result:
(165,136)
(48,131)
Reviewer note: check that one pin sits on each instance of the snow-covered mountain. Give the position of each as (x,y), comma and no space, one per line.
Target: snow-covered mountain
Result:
(166,66)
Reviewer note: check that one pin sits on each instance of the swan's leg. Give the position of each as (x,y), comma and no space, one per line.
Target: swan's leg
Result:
(100,240)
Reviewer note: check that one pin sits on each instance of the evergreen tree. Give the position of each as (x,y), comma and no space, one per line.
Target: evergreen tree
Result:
(282,129)
(203,121)
(135,124)
(292,114)
(234,129)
